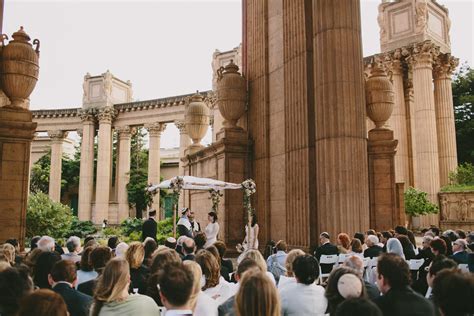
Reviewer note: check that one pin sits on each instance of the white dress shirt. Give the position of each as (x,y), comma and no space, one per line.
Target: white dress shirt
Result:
(301,299)
(222,291)
(285,281)
(205,305)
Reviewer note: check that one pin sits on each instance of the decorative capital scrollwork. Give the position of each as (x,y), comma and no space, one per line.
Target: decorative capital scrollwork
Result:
(444,66)
(423,54)
(155,129)
(181,125)
(106,115)
(57,135)
(123,132)
(87,115)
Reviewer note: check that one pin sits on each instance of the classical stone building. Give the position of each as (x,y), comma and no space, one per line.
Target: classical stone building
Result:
(296,122)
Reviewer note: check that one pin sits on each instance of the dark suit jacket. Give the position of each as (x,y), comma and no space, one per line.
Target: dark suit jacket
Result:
(87,287)
(373,251)
(460,257)
(372,291)
(406,302)
(228,264)
(138,278)
(149,229)
(183,231)
(326,249)
(78,304)
(227,308)
(189,257)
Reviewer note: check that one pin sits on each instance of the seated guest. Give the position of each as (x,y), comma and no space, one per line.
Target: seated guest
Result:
(419,284)
(356,247)
(373,249)
(176,285)
(200,303)
(16,246)
(160,259)
(200,240)
(304,297)
(438,247)
(449,245)
(228,307)
(43,302)
(470,255)
(170,242)
(356,263)
(15,283)
(425,251)
(412,239)
(32,257)
(257,256)
(34,242)
(343,243)
(138,272)
(394,282)
(222,248)
(394,246)
(400,230)
(439,264)
(74,247)
(86,271)
(215,286)
(62,279)
(459,251)
(337,292)
(120,250)
(326,248)
(407,246)
(46,243)
(43,267)
(189,247)
(361,238)
(9,253)
(224,272)
(276,262)
(112,296)
(289,277)
(358,306)
(461,233)
(453,293)
(386,235)
(257,296)
(98,258)
(112,243)
(150,246)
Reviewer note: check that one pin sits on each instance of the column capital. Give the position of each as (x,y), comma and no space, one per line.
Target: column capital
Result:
(87,115)
(423,54)
(106,115)
(155,129)
(57,135)
(123,132)
(444,66)
(181,125)
(393,61)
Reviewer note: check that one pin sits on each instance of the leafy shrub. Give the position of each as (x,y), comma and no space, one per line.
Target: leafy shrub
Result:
(46,217)
(165,230)
(417,203)
(81,228)
(112,231)
(135,236)
(463,175)
(131,225)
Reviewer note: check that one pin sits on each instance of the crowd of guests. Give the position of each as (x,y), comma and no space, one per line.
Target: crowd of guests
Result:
(192,277)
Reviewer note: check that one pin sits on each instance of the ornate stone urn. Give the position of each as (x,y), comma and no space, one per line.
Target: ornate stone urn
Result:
(379,95)
(20,68)
(231,94)
(197,120)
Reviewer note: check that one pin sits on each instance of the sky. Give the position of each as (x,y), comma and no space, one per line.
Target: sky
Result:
(163,47)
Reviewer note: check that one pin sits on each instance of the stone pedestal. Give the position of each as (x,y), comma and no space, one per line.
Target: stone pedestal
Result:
(86,173)
(124,137)
(16,134)
(383,191)
(341,145)
(57,138)
(154,131)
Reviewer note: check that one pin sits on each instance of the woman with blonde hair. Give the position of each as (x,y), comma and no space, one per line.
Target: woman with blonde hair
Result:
(138,271)
(201,303)
(111,295)
(215,286)
(9,252)
(257,256)
(257,296)
(289,278)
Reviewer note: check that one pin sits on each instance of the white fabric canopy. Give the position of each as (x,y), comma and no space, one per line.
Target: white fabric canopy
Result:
(195,183)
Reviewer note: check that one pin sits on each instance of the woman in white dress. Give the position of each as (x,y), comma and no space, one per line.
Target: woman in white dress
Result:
(251,238)
(212,229)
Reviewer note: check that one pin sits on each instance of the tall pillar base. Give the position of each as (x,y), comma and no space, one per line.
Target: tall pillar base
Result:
(16,133)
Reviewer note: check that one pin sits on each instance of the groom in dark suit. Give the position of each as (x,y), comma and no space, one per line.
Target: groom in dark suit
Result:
(150,226)
(326,248)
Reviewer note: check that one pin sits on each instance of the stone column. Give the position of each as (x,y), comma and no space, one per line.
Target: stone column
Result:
(425,124)
(104,165)
(410,123)
(341,145)
(443,94)
(184,142)
(398,120)
(123,174)
(154,132)
(57,138)
(86,173)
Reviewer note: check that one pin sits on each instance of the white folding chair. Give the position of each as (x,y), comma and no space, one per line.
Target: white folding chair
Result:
(162,310)
(326,259)
(370,267)
(343,257)
(463,267)
(366,261)
(415,264)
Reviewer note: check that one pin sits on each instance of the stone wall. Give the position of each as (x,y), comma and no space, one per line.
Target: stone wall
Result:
(457,210)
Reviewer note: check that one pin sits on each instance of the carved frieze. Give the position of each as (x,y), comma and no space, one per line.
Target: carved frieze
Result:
(457,206)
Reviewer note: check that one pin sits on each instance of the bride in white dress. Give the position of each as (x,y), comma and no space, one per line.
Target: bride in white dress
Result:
(251,238)
(212,229)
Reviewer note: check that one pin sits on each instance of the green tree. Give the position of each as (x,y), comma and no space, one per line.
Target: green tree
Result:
(46,217)
(417,203)
(463,99)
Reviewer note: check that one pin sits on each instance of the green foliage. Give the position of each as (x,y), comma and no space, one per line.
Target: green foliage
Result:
(131,225)
(135,236)
(463,175)
(417,203)
(81,228)
(112,231)
(46,217)
(463,100)
(165,230)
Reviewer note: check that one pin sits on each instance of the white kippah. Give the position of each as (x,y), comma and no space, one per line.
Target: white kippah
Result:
(349,286)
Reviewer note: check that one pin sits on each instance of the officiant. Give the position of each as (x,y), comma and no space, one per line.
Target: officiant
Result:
(184,224)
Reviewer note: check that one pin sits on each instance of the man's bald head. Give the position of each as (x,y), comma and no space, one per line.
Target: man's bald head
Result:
(355,263)
(189,246)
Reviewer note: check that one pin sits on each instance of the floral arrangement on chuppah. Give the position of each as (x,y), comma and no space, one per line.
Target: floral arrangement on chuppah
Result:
(215,199)
(249,188)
